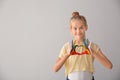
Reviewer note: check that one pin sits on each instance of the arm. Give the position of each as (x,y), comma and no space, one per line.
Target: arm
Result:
(60,62)
(102,59)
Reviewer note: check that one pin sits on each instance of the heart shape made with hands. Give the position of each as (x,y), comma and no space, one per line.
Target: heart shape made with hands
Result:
(73,52)
(87,50)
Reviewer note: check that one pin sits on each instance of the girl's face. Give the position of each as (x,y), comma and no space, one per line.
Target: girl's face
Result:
(78,29)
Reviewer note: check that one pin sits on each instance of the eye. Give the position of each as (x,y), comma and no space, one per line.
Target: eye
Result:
(81,27)
(75,28)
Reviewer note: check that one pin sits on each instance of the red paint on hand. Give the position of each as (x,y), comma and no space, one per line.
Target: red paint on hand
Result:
(73,52)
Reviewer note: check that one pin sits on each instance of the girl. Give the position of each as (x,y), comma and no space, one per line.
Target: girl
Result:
(78,55)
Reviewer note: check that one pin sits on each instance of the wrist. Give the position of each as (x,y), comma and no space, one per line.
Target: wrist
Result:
(94,54)
(67,55)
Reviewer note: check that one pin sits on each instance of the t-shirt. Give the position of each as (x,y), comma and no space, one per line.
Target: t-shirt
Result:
(78,62)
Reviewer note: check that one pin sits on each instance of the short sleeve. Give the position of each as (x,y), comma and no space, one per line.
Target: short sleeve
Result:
(95,47)
(62,51)
(65,49)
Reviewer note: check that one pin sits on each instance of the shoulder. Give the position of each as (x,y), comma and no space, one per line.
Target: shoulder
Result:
(64,49)
(67,45)
(94,46)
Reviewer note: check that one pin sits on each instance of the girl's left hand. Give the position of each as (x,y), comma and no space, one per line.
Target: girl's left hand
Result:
(101,57)
(91,50)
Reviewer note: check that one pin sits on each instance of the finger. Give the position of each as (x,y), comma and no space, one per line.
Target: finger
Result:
(89,47)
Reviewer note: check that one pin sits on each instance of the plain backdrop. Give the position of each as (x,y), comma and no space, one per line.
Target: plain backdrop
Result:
(32,33)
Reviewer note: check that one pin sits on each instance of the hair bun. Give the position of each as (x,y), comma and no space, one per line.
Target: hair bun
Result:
(74,14)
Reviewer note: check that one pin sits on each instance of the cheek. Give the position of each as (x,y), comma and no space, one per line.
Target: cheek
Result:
(83,30)
(73,32)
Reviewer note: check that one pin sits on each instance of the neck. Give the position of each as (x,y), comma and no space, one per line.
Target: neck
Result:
(79,40)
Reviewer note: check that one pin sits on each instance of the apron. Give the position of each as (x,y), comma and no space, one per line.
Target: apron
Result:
(82,75)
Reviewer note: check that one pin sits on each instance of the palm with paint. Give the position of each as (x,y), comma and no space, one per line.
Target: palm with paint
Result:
(86,51)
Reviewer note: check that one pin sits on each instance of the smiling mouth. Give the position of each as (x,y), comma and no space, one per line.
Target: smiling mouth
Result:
(79,34)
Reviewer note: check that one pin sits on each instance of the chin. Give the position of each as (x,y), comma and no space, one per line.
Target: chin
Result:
(79,38)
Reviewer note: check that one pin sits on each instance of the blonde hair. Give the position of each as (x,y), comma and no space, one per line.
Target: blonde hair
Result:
(77,16)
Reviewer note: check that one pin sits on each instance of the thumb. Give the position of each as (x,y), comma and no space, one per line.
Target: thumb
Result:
(89,47)
(69,49)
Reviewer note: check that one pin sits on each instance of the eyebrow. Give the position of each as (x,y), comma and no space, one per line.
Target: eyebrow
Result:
(81,26)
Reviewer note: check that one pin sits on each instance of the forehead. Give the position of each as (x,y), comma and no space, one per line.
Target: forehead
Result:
(76,23)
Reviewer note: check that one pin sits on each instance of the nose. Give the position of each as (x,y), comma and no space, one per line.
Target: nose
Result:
(78,31)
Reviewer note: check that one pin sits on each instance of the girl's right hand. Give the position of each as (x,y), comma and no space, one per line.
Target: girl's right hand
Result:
(69,51)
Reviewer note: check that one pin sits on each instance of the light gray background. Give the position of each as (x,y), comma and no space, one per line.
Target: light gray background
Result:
(32,33)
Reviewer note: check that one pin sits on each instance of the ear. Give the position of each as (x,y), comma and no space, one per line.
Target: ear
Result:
(86,28)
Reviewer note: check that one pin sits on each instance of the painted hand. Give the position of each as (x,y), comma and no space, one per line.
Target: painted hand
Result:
(91,49)
(69,49)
